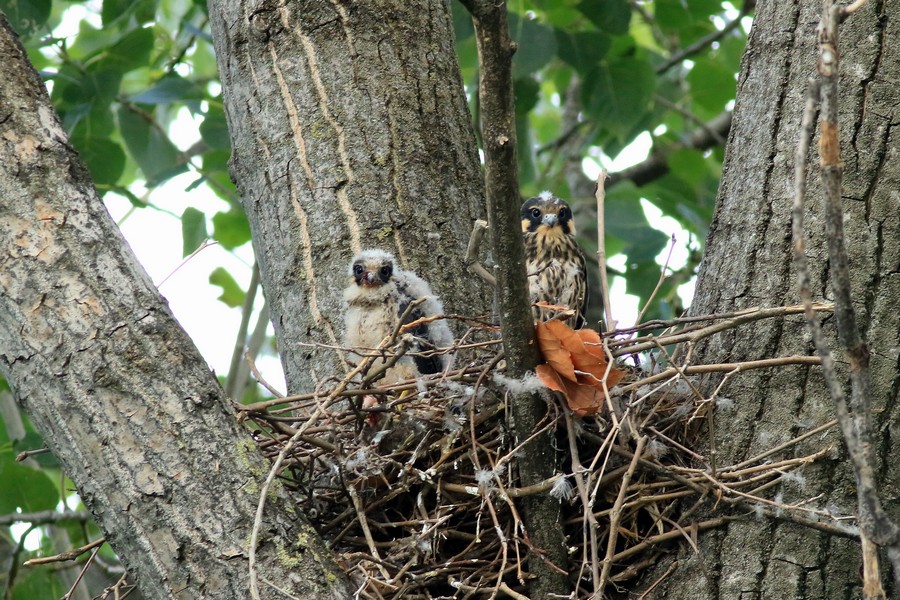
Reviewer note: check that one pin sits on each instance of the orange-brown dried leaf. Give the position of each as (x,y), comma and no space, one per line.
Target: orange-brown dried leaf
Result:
(587,355)
(550,378)
(553,351)
(583,400)
(593,364)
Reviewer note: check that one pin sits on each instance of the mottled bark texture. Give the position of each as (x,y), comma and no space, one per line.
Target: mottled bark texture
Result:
(748,263)
(115,386)
(350,130)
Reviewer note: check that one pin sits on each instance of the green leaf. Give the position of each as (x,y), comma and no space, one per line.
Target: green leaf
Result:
(38,584)
(98,85)
(24,488)
(688,164)
(583,50)
(26,16)
(149,145)
(678,14)
(617,94)
(132,51)
(231,229)
(712,86)
(143,10)
(232,294)
(193,229)
(641,280)
(105,159)
(625,220)
(612,16)
(171,88)
(682,201)
(536,45)
(527,91)
(91,41)
(214,129)
(462,22)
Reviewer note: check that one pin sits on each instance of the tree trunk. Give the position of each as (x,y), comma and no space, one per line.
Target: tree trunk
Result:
(349,130)
(748,263)
(116,387)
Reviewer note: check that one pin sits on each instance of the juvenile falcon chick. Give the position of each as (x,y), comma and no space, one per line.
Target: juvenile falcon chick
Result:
(553,260)
(377,298)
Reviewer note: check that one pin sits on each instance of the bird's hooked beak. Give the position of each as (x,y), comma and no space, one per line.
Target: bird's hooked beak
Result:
(368,279)
(550,219)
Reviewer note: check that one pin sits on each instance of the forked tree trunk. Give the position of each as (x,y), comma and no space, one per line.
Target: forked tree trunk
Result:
(350,130)
(116,387)
(748,263)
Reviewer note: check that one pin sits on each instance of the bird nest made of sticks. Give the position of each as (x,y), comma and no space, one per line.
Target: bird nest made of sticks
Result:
(414,485)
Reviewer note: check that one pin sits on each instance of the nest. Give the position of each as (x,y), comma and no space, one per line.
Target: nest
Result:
(414,485)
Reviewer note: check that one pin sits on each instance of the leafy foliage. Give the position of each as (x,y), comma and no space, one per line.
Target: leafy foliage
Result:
(591,78)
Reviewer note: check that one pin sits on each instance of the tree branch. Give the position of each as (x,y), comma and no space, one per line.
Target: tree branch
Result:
(704,42)
(854,420)
(537,461)
(46,517)
(657,164)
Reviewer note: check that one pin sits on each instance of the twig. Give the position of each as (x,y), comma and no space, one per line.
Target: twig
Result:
(600,196)
(708,40)
(698,334)
(273,471)
(45,517)
(471,261)
(727,367)
(751,314)
(616,515)
(279,396)
(87,565)
(851,8)
(206,244)
(591,526)
(660,281)
(67,555)
(240,342)
(364,525)
(26,454)
(495,94)
(874,522)
(780,447)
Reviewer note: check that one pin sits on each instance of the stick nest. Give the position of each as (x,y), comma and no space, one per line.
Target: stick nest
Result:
(414,485)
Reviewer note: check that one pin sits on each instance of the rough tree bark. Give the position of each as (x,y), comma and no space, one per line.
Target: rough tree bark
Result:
(116,387)
(748,263)
(349,130)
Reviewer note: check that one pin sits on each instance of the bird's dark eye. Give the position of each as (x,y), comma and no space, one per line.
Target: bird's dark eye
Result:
(385,272)
(563,212)
(357,269)
(536,213)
